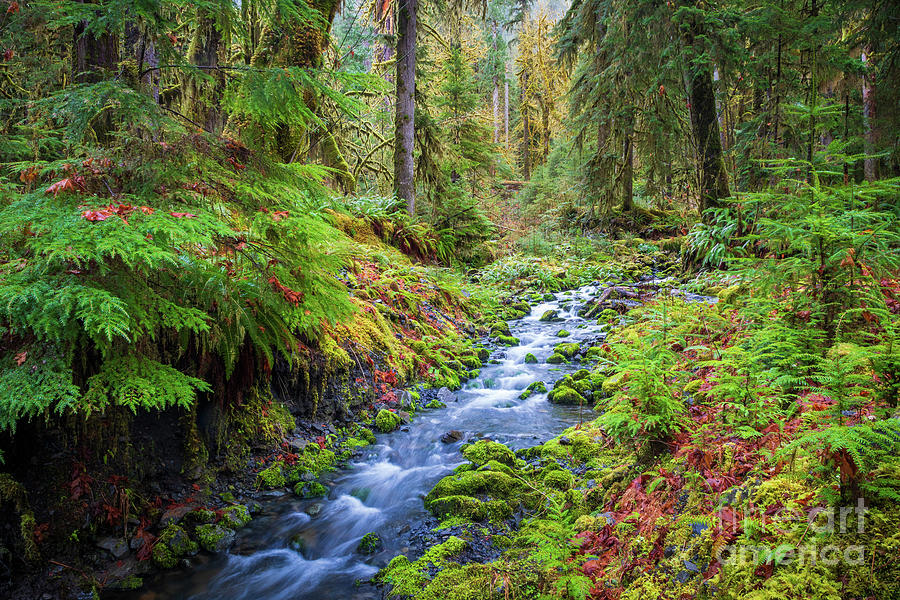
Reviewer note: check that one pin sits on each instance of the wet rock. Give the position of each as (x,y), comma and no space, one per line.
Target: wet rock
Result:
(386,421)
(235,517)
(115,546)
(445,395)
(173,543)
(565,441)
(550,316)
(254,507)
(297,444)
(314,509)
(370,544)
(530,359)
(452,436)
(407,401)
(215,538)
(404,417)
(174,515)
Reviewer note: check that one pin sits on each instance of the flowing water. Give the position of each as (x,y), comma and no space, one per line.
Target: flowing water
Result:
(381,489)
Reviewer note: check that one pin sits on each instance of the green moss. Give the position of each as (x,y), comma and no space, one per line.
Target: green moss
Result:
(482,353)
(214,538)
(271,477)
(559,479)
(173,543)
(563,333)
(593,353)
(369,544)
(565,395)
(235,517)
(530,359)
(567,349)
(500,328)
(387,421)
(556,359)
(483,451)
(693,387)
(471,362)
(310,489)
(409,578)
(550,315)
(435,403)
(537,387)
(507,340)
(613,384)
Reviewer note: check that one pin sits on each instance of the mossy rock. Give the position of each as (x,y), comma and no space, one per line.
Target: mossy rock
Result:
(483,451)
(593,353)
(310,489)
(556,359)
(472,483)
(507,340)
(567,349)
(559,479)
(538,387)
(530,359)
(387,421)
(173,543)
(271,478)
(471,362)
(580,374)
(522,307)
(563,333)
(369,544)
(366,434)
(565,395)
(731,295)
(214,537)
(500,328)
(457,505)
(614,383)
(607,315)
(435,403)
(199,516)
(482,353)
(550,316)
(235,517)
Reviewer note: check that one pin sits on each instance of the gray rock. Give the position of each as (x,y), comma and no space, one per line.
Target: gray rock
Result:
(297,444)
(174,515)
(115,546)
(404,416)
(406,400)
(445,395)
(314,509)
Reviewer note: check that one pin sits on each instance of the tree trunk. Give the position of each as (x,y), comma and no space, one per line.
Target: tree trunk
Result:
(705,126)
(526,132)
(496,100)
(870,163)
(200,96)
(506,112)
(545,130)
(95,57)
(404,123)
(628,168)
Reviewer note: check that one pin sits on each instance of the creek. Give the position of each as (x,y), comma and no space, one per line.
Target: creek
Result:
(306,549)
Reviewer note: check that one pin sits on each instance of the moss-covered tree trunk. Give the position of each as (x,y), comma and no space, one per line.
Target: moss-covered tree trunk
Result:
(628,166)
(404,121)
(705,123)
(202,91)
(95,56)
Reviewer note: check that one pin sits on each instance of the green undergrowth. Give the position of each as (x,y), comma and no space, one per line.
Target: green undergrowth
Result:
(735,456)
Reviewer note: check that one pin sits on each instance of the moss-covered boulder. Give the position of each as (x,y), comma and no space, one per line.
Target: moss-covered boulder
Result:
(565,395)
(507,340)
(550,316)
(563,333)
(387,421)
(477,495)
(214,537)
(567,349)
(559,479)
(369,544)
(556,359)
(173,543)
(471,362)
(530,359)
(484,451)
(613,384)
(310,489)
(271,477)
(538,387)
(235,517)
(500,328)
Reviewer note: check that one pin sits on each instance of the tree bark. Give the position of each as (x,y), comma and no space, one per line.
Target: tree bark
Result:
(200,97)
(526,131)
(705,126)
(628,168)
(506,112)
(870,163)
(95,57)
(404,122)
(496,101)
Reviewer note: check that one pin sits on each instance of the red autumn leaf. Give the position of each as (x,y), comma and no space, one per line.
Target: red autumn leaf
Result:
(13,7)
(8,54)
(181,215)
(278,215)
(21,357)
